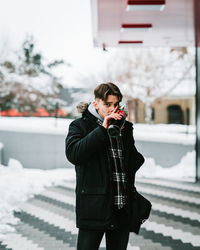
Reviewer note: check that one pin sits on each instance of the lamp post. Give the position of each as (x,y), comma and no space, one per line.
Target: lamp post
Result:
(1,101)
(56,114)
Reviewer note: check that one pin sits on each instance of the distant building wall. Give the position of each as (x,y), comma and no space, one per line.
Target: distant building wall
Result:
(161,111)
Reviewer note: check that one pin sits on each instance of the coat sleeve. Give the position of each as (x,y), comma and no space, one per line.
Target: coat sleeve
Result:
(138,158)
(80,148)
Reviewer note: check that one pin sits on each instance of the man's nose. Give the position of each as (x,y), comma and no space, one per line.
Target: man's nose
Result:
(112,108)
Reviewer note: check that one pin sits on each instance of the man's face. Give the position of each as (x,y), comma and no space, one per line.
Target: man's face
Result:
(105,108)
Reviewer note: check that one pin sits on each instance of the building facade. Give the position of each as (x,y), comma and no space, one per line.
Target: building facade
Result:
(169,110)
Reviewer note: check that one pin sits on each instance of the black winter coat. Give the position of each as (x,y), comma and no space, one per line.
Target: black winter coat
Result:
(87,148)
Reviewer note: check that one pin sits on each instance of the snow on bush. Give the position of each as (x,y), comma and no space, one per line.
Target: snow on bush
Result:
(185,169)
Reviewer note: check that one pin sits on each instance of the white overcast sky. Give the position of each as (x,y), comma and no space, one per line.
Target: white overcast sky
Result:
(61,28)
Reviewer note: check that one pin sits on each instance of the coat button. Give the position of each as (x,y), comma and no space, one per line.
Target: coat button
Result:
(112,226)
(82,191)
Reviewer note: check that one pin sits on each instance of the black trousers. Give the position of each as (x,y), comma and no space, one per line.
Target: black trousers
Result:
(115,239)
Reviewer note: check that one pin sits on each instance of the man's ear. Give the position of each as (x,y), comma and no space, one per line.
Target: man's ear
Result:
(95,103)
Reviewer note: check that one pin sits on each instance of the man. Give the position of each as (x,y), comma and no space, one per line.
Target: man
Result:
(105,172)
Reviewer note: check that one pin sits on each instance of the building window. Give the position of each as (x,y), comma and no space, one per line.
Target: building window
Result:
(175,114)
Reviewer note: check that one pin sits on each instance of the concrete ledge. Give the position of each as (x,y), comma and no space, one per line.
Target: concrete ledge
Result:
(164,153)
(47,150)
(35,150)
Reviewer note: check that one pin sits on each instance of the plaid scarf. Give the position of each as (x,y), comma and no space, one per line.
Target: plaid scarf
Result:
(118,172)
(119,175)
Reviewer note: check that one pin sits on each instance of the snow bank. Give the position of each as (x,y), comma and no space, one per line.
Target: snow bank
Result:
(45,125)
(18,184)
(185,170)
(168,133)
(180,134)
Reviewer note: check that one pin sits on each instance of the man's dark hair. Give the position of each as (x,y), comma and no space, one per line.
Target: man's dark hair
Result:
(102,91)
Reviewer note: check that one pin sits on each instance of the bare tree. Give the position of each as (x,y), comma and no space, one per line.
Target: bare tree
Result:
(27,82)
(148,74)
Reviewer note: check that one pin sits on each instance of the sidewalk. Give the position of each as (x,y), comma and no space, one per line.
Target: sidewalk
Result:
(47,222)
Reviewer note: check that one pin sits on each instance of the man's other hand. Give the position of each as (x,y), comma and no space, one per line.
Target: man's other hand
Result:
(114,115)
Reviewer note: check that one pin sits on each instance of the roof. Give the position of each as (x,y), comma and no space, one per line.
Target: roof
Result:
(172,27)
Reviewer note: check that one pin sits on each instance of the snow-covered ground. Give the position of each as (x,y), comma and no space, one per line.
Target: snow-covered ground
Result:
(35,124)
(173,133)
(17,184)
(160,132)
(184,171)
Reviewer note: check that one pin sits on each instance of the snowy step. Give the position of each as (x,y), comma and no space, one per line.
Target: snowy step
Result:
(69,225)
(164,183)
(176,211)
(129,247)
(172,210)
(176,234)
(71,185)
(171,195)
(42,238)
(59,221)
(155,206)
(160,207)
(51,218)
(59,197)
(18,242)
